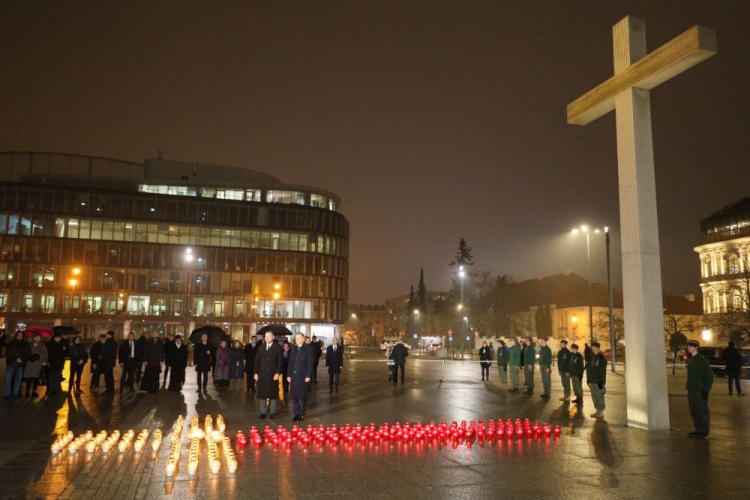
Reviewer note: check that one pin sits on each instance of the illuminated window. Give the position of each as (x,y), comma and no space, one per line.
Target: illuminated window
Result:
(733,264)
(276,196)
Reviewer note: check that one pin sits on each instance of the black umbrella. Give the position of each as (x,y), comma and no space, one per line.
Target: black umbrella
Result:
(65,330)
(277,329)
(215,335)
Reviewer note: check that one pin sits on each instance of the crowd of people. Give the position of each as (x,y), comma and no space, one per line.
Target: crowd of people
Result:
(272,368)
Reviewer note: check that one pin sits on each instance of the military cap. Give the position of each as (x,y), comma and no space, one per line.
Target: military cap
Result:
(693,343)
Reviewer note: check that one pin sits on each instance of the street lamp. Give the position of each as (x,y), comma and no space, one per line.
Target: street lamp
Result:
(461,276)
(585,230)
(73,282)
(188,258)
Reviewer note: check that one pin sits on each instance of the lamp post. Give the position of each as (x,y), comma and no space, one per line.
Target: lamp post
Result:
(575,327)
(73,282)
(461,276)
(612,340)
(188,260)
(460,318)
(356,327)
(585,230)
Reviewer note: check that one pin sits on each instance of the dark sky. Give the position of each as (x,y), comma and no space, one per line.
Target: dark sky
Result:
(433,120)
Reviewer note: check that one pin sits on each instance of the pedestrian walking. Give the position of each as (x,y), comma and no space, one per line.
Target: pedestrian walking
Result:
(268,363)
(202,356)
(107,360)
(221,371)
(334,363)
(236,366)
(733,361)
(36,363)
(128,357)
(545,366)
(563,368)
(514,364)
(596,377)
(301,368)
(700,379)
(18,352)
(398,355)
(56,352)
(575,369)
(153,357)
(502,362)
(79,356)
(250,350)
(485,356)
(529,362)
(179,360)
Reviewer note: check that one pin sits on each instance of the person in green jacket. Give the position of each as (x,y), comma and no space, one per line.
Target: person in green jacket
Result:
(545,366)
(700,378)
(529,360)
(514,364)
(596,377)
(563,364)
(502,362)
(575,369)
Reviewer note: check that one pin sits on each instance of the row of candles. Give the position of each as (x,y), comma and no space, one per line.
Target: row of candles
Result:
(174,447)
(417,432)
(105,442)
(212,435)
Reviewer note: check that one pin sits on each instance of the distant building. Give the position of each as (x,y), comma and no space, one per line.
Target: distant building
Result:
(166,245)
(724,255)
(398,321)
(366,323)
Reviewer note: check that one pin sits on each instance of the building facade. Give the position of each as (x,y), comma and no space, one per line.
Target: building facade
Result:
(366,324)
(724,255)
(108,244)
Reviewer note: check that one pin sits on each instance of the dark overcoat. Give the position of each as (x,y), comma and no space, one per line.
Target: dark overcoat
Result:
(334,360)
(301,366)
(268,362)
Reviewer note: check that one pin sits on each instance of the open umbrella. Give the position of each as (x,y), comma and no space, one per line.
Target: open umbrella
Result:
(215,335)
(277,329)
(45,332)
(65,330)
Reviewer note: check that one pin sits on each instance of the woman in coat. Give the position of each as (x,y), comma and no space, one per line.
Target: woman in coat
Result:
(78,358)
(236,366)
(485,354)
(34,366)
(221,372)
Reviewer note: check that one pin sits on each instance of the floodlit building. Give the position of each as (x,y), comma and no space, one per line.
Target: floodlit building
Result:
(108,244)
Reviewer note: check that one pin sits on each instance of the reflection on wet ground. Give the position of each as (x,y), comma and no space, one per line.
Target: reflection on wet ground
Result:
(602,457)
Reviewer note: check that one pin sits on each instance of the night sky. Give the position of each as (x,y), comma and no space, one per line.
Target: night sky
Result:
(433,120)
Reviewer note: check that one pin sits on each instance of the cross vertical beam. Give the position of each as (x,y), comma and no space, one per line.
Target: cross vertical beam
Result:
(646,378)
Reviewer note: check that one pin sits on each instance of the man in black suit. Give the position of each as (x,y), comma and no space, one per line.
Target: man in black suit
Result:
(335,363)
(128,355)
(250,349)
(108,358)
(398,355)
(269,360)
(300,374)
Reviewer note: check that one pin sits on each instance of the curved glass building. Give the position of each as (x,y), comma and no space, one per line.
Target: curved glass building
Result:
(109,244)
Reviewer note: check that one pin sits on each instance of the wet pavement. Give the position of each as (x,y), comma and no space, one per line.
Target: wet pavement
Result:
(602,459)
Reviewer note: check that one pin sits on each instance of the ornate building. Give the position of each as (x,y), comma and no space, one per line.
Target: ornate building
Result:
(101,243)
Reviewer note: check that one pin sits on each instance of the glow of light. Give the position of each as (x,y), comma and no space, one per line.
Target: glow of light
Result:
(460,306)
(188,257)
(276,296)
(73,282)
(584,229)
(706,335)
(277,286)
(606,229)
(76,271)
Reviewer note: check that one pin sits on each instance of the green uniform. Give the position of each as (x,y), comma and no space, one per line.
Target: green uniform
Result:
(700,378)
(545,365)
(502,364)
(563,366)
(596,376)
(514,363)
(529,359)
(575,368)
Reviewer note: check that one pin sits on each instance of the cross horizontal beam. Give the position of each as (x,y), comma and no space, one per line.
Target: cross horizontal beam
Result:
(686,50)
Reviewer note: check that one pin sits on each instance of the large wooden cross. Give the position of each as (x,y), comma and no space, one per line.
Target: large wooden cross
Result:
(627,92)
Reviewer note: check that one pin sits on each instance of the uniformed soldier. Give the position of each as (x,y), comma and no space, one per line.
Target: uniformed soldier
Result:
(596,377)
(563,363)
(514,364)
(529,360)
(575,369)
(545,366)
(502,362)
(700,378)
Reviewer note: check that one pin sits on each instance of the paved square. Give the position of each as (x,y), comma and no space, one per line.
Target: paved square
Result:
(602,459)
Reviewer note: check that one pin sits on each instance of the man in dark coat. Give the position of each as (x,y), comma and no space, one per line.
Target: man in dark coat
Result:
(318,350)
(56,352)
(250,349)
(733,360)
(596,377)
(140,348)
(128,357)
(96,361)
(485,354)
(18,353)
(167,361)
(335,363)
(529,365)
(301,368)
(152,359)
(202,354)
(700,379)
(269,361)
(178,356)
(108,358)
(398,355)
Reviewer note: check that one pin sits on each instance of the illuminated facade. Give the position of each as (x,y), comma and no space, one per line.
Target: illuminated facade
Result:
(103,243)
(725,257)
